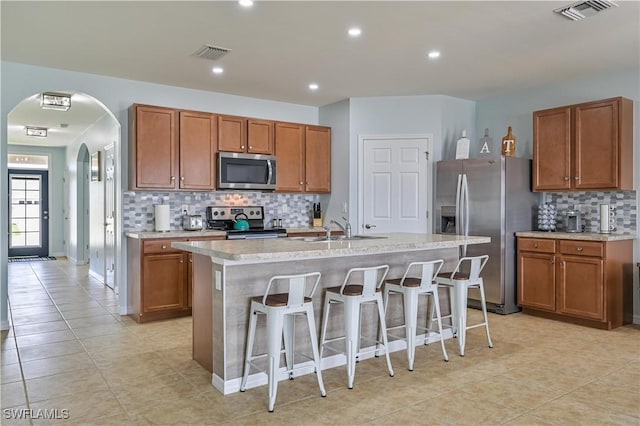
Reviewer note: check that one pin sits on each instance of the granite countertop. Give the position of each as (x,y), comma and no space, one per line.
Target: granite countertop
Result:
(290,248)
(582,236)
(179,233)
(146,235)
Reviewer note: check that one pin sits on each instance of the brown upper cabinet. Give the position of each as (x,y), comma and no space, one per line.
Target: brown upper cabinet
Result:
(584,147)
(240,134)
(171,149)
(304,158)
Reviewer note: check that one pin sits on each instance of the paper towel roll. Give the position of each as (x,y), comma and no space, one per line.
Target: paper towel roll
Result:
(604,219)
(162,217)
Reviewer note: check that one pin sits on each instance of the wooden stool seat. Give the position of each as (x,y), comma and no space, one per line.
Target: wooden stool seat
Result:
(277,300)
(350,289)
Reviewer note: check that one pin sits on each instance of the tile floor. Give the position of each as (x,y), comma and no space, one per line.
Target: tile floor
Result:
(68,350)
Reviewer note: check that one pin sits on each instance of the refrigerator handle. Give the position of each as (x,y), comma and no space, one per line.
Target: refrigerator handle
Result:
(458,205)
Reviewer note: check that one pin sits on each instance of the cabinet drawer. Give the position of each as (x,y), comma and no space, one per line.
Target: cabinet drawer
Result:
(541,245)
(584,248)
(159,246)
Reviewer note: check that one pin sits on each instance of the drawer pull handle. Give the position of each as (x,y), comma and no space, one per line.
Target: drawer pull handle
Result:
(536,245)
(579,248)
(164,247)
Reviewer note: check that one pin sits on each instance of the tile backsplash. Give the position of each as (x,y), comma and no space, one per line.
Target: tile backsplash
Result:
(588,203)
(138,206)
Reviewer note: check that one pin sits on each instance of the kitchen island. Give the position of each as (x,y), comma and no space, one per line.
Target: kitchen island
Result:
(228,273)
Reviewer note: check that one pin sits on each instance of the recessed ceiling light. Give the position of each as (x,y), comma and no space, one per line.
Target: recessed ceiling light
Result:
(217,70)
(354,32)
(246,3)
(313,86)
(434,54)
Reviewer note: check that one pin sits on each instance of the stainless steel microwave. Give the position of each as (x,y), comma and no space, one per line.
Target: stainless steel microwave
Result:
(246,171)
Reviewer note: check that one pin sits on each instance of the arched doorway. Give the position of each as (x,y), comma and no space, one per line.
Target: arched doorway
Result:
(76,137)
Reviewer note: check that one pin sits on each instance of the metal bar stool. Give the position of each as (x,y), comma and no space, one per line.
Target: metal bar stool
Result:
(411,289)
(281,310)
(353,296)
(461,282)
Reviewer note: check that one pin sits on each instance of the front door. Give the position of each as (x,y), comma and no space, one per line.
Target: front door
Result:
(28,213)
(395,184)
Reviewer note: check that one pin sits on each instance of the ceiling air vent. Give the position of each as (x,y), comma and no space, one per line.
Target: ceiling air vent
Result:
(585,9)
(211,52)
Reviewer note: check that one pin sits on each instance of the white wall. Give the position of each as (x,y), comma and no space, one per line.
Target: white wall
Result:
(441,116)
(20,81)
(516,110)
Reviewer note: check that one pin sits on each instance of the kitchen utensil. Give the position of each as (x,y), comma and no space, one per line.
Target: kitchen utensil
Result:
(241,222)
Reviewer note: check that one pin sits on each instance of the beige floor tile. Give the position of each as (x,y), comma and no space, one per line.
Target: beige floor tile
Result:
(84,313)
(127,369)
(56,365)
(99,330)
(43,327)
(12,395)
(8,356)
(76,382)
(569,410)
(44,338)
(28,318)
(10,373)
(90,408)
(30,353)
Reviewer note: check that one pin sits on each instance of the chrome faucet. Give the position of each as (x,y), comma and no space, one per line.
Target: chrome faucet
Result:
(328,230)
(346,229)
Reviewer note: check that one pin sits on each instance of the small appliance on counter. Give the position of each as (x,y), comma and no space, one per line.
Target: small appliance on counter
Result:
(192,222)
(161,218)
(573,221)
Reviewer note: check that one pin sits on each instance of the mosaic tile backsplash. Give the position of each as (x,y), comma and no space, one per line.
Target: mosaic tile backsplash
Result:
(138,206)
(588,203)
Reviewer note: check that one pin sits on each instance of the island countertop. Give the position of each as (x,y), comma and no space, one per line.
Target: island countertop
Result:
(292,249)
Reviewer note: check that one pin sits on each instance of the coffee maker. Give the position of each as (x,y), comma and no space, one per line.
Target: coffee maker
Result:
(573,221)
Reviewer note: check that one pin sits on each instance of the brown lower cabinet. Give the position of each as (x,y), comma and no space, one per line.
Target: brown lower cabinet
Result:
(584,282)
(159,278)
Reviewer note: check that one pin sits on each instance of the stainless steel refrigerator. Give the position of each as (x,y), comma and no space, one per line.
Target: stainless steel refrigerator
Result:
(489,197)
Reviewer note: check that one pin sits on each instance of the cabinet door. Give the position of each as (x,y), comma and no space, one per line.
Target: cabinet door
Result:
(596,145)
(164,282)
(198,136)
(232,136)
(317,159)
(260,136)
(189,257)
(536,280)
(581,287)
(552,149)
(290,157)
(155,147)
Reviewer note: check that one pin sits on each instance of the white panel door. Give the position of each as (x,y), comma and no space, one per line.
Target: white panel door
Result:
(109,214)
(394,186)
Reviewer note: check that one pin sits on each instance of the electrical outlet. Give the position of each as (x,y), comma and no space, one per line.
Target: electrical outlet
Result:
(185,209)
(285,208)
(344,207)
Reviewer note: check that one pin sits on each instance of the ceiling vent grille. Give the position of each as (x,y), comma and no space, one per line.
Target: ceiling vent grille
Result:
(584,9)
(211,52)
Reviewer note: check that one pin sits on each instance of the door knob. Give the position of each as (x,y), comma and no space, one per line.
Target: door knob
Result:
(369,226)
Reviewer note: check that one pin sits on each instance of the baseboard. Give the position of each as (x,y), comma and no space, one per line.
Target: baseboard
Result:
(636,319)
(227,387)
(75,261)
(4,325)
(58,254)
(96,276)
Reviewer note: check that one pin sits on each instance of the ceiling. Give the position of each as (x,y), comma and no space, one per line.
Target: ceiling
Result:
(278,48)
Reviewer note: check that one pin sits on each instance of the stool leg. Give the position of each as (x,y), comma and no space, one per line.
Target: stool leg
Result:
(453,295)
(430,313)
(314,346)
(461,310)
(484,312)
(436,304)
(274,336)
(411,322)
(351,322)
(253,319)
(385,299)
(325,320)
(384,333)
(289,342)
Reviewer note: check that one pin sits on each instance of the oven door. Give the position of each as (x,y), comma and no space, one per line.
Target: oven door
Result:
(246,171)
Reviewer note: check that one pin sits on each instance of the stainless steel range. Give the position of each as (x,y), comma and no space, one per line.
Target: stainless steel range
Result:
(225,218)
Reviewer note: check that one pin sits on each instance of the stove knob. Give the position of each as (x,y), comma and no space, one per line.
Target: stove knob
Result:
(215,213)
